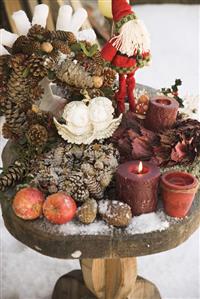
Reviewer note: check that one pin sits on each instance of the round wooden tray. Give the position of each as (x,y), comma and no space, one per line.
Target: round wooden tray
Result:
(42,236)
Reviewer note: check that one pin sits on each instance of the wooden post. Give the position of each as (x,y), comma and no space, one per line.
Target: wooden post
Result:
(116,279)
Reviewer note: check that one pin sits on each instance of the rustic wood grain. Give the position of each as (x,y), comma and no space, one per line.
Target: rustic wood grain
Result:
(10,7)
(71,286)
(117,243)
(110,278)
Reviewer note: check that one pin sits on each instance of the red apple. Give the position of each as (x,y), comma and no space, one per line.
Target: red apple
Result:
(59,208)
(27,203)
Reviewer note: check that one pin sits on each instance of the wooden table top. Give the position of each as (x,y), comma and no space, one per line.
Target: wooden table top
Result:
(76,241)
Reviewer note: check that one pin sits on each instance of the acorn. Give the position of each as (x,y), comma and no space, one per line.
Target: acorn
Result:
(98,81)
(144,98)
(87,212)
(46,47)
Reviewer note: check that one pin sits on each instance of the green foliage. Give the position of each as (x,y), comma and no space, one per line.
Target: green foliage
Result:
(174,91)
(91,52)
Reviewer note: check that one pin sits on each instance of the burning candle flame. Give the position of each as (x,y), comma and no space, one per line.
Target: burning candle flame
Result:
(140,167)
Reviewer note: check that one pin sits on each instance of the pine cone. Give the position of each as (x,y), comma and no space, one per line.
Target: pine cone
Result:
(115,213)
(74,75)
(94,187)
(4,61)
(36,66)
(75,187)
(87,212)
(36,93)
(18,86)
(109,77)
(24,45)
(62,46)
(37,135)
(14,174)
(16,120)
(37,32)
(98,58)
(64,36)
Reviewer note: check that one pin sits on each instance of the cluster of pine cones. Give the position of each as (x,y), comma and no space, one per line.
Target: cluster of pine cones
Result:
(82,171)
(32,58)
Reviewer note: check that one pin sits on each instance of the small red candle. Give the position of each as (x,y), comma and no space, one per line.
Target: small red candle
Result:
(161,114)
(178,192)
(137,185)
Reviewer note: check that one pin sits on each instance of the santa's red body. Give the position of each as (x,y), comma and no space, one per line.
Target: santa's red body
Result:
(127,51)
(121,62)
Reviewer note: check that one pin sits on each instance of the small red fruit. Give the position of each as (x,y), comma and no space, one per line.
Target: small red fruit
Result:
(59,208)
(27,203)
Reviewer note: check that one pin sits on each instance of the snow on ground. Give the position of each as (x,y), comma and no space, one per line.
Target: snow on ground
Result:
(27,274)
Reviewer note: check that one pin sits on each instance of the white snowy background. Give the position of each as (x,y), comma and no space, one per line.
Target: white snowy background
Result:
(25,274)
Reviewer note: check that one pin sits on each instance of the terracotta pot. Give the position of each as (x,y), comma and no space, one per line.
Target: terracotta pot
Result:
(178,192)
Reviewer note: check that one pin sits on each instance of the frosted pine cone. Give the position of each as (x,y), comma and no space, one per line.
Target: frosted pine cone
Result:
(115,213)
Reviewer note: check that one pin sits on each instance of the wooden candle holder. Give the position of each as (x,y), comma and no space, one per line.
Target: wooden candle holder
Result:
(162,113)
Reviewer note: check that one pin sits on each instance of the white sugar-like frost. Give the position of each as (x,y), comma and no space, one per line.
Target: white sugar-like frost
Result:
(75,228)
(147,223)
(95,228)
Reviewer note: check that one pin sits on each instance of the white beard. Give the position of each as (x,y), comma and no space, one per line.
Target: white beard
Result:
(132,36)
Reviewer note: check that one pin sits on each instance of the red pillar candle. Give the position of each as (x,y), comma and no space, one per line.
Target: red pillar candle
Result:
(161,114)
(178,191)
(137,186)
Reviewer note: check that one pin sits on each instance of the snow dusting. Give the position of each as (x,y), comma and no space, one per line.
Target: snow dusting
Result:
(76,254)
(75,228)
(147,223)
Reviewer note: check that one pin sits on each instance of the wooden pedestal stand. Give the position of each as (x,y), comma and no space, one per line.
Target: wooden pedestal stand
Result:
(107,260)
(105,279)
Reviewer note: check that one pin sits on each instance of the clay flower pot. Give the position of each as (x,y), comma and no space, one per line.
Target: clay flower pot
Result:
(178,192)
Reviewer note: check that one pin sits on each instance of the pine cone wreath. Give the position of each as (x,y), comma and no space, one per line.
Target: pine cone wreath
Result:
(37,135)
(14,174)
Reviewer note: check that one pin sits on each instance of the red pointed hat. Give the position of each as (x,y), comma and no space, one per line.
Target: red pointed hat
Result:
(120,9)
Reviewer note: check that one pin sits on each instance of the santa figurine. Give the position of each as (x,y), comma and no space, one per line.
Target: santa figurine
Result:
(126,51)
